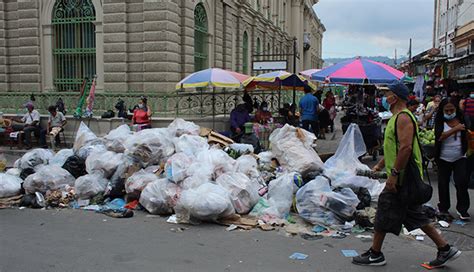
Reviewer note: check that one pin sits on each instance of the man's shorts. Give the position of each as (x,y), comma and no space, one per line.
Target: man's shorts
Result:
(392,214)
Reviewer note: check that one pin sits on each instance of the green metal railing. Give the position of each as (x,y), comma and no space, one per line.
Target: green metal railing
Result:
(174,104)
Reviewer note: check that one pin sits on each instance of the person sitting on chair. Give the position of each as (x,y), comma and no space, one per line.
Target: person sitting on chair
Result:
(29,123)
(56,123)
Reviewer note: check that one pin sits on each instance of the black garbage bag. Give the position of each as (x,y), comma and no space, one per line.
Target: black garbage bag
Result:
(76,166)
(364,197)
(26,172)
(116,186)
(253,140)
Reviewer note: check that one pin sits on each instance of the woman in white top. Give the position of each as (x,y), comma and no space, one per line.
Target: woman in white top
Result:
(451,148)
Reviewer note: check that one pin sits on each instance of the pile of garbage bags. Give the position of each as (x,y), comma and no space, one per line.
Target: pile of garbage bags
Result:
(174,170)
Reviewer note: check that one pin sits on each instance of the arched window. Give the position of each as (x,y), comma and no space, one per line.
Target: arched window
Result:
(259,48)
(245,53)
(74,46)
(200,38)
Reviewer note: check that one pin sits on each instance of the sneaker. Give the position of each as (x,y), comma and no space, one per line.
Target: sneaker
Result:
(443,256)
(369,258)
(445,216)
(464,216)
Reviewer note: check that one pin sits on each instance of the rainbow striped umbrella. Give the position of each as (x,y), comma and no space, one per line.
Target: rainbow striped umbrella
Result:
(309,72)
(358,71)
(279,80)
(213,77)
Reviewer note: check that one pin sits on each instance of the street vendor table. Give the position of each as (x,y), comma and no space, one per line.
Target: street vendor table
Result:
(263,133)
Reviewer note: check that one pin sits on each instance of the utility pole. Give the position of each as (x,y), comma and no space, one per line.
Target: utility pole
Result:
(294,69)
(409,51)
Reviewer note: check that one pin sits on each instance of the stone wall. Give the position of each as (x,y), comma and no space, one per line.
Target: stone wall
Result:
(148,46)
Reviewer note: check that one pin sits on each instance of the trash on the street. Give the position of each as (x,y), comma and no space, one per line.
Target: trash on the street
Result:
(115,139)
(243,191)
(160,197)
(48,177)
(138,181)
(298,256)
(35,158)
(61,157)
(9,185)
(443,224)
(90,185)
(349,253)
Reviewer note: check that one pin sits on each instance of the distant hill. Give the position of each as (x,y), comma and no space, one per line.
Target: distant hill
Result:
(382,59)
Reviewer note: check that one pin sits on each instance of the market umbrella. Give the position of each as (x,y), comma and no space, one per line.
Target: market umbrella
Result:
(309,72)
(214,77)
(358,71)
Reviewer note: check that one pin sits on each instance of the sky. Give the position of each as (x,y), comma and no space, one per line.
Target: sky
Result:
(375,27)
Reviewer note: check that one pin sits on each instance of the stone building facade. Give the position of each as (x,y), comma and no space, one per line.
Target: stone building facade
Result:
(146,45)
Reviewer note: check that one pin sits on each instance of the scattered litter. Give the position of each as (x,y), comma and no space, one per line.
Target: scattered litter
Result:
(459,222)
(429,267)
(310,237)
(21,208)
(420,238)
(94,208)
(360,236)
(83,202)
(349,253)
(177,229)
(231,227)
(443,224)
(319,229)
(172,219)
(298,256)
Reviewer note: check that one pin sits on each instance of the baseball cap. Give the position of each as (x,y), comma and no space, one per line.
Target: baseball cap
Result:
(400,90)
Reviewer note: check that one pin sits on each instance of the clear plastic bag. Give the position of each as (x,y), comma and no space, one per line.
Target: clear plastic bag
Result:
(94,146)
(294,149)
(61,157)
(280,197)
(180,127)
(342,202)
(138,181)
(208,202)
(160,197)
(115,139)
(309,203)
(211,163)
(35,157)
(107,162)
(83,136)
(176,167)
(90,185)
(194,181)
(247,164)
(150,146)
(116,186)
(9,185)
(243,191)
(190,144)
(48,177)
(373,186)
(242,148)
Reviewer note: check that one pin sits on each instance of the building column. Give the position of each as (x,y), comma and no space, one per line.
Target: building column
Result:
(47,60)
(99,56)
(3,51)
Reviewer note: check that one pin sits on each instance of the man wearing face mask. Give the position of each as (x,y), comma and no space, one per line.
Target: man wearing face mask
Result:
(263,115)
(400,143)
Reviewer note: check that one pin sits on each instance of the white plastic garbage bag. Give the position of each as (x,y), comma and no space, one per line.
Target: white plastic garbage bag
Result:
(242,148)
(107,162)
(176,167)
(48,177)
(61,157)
(180,127)
(280,197)
(208,202)
(139,180)
(9,185)
(247,164)
(35,157)
(90,185)
(345,161)
(116,186)
(211,163)
(94,146)
(342,202)
(160,197)
(190,144)
(194,181)
(83,136)
(373,186)
(243,191)
(293,148)
(150,146)
(14,172)
(115,139)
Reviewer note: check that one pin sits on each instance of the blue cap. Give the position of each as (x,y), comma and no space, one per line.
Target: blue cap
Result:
(400,90)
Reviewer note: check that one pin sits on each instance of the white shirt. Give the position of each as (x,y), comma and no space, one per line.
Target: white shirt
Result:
(451,147)
(29,118)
